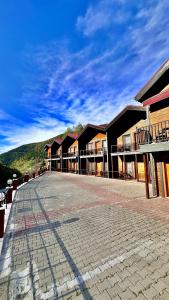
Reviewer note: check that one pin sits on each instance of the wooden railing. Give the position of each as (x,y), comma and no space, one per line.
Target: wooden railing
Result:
(156,133)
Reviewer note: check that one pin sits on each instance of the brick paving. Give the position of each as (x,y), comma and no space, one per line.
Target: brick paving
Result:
(79,237)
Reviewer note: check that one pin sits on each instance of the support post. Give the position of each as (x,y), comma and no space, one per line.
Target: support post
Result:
(146,175)
(152,168)
(8,195)
(15,184)
(2,219)
(136,168)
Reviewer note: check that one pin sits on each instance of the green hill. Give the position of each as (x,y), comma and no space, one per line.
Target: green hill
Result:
(30,156)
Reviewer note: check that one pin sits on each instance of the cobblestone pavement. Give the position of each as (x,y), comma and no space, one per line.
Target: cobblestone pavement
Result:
(79,237)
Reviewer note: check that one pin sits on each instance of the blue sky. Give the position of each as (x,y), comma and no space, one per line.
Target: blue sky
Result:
(70,61)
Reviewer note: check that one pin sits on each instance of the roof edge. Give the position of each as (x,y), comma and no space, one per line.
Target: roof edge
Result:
(127,108)
(161,70)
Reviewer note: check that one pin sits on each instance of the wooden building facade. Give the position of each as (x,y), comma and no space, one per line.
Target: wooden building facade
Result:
(125,159)
(56,155)
(70,153)
(47,150)
(153,139)
(93,150)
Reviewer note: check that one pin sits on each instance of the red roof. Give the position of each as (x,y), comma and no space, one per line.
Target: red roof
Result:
(58,140)
(157,98)
(47,146)
(73,135)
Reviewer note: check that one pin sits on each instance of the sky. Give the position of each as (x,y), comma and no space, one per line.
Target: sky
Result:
(68,61)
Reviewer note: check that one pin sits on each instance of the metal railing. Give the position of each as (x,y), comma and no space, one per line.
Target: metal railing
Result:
(124,148)
(88,152)
(70,154)
(155,133)
(56,155)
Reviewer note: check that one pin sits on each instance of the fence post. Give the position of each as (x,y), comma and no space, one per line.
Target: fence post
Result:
(15,184)
(26,177)
(2,219)
(8,195)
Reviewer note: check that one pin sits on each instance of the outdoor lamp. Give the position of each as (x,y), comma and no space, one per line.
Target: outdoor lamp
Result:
(14,176)
(9,181)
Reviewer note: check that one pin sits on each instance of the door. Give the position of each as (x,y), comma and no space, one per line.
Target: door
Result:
(129,169)
(141,174)
(166,173)
(99,168)
(97,145)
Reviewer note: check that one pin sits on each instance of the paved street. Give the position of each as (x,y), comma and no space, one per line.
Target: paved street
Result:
(82,237)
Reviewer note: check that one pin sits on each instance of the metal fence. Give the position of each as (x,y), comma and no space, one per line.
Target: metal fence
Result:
(158,132)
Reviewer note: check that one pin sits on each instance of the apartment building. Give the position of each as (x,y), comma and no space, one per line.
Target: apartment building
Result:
(133,146)
(70,153)
(92,150)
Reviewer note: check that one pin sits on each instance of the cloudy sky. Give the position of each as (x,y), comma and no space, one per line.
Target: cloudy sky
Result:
(68,61)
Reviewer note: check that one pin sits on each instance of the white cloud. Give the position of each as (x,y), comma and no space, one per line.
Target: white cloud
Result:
(41,129)
(92,84)
(103,15)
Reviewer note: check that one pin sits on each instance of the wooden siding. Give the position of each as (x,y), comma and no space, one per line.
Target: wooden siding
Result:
(59,151)
(162,170)
(73,147)
(159,115)
(49,152)
(96,141)
(131,131)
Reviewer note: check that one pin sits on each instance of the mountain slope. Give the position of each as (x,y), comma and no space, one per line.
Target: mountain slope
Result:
(24,157)
(30,156)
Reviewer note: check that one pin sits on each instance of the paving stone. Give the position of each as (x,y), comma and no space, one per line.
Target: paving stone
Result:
(92,237)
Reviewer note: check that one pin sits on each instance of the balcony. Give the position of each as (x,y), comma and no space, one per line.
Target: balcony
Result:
(121,148)
(93,152)
(55,156)
(69,154)
(156,133)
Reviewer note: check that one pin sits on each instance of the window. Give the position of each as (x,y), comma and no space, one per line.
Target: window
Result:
(127,142)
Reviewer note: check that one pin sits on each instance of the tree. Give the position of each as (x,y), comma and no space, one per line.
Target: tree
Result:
(78,128)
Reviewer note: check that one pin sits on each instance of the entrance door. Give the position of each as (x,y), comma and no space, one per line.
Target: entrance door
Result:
(99,168)
(141,173)
(166,170)
(129,169)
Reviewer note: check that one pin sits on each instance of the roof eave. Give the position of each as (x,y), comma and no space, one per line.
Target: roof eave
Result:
(152,81)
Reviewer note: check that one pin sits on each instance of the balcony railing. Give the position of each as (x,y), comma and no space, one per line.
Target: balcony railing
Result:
(99,151)
(69,154)
(124,148)
(155,133)
(56,156)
